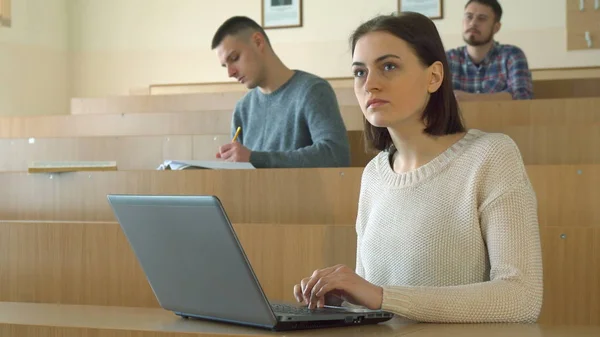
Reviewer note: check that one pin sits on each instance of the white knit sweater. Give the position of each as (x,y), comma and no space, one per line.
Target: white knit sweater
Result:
(456,240)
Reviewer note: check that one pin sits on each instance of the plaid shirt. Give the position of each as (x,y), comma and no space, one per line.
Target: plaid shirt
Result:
(504,69)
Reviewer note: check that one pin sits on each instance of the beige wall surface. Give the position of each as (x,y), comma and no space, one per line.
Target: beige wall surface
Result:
(123,44)
(34,66)
(59,49)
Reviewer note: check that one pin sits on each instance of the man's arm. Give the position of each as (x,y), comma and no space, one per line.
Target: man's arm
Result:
(520,84)
(330,146)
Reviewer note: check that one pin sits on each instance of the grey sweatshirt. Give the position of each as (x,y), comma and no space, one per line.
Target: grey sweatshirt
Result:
(298,125)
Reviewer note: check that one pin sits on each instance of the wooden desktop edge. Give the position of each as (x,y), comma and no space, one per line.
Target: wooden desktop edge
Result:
(69,169)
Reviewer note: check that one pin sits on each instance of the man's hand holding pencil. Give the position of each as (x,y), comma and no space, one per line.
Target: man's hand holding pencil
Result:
(234,151)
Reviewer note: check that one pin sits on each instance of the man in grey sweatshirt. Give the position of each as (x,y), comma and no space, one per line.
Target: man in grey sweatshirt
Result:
(289,118)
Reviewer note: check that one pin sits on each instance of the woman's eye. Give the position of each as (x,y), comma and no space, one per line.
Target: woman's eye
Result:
(359,73)
(389,66)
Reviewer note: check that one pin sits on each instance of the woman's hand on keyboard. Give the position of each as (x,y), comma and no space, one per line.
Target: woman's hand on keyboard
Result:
(337,284)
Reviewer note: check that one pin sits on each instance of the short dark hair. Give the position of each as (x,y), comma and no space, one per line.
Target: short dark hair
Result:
(234,26)
(494,4)
(441,115)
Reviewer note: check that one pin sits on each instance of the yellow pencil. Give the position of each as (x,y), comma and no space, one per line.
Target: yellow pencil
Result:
(237,132)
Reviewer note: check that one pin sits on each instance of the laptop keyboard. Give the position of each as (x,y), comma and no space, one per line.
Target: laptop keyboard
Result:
(300,310)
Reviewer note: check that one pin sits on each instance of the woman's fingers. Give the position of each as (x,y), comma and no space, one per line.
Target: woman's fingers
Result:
(298,294)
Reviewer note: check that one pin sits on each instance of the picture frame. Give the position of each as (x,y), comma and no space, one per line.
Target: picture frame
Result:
(5,13)
(281,13)
(433,9)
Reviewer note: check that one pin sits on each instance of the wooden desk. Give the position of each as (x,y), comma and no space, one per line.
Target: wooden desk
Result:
(21,319)
(278,213)
(93,264)
(324,196)
(488,116)
(539,145)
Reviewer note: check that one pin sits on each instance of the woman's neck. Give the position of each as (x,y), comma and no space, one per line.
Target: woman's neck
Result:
(414,148)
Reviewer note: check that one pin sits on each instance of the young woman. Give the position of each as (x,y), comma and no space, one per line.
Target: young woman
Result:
(447,219)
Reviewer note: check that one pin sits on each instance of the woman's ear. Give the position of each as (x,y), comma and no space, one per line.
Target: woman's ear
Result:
(436,77)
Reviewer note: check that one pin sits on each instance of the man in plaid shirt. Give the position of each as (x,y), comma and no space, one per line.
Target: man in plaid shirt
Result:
(485,69)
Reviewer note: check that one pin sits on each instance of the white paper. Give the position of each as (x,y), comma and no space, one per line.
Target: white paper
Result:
(204,164)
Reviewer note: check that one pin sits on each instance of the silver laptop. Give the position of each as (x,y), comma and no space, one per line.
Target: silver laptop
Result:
(197,268)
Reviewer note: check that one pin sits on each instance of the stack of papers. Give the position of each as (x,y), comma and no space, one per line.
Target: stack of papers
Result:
(204,164)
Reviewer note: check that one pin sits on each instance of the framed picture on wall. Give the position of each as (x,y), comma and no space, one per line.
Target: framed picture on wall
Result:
(434,9)
(281,13)
(5,17)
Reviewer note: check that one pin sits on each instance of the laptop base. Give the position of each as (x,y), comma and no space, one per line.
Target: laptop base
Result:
(366,319)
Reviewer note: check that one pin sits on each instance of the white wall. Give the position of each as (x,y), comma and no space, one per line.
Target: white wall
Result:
(122,44)
(34,74)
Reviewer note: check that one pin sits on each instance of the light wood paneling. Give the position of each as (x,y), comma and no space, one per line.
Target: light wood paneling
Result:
(225,102)
(156,103)
(567,195)
(484,115)
(77,263)
(92,263)
(569,270)
(304,196)
(562,112)
(539,145)
(580,21)
(588,87)
(155,124)
(563,73)
(359,154)
(595,293)
(130,153)
(294,196)
(543,145)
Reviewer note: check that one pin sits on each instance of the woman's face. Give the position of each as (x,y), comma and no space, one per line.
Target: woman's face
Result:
(391,85)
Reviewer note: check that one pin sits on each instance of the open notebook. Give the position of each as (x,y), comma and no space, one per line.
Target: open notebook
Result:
(203,164)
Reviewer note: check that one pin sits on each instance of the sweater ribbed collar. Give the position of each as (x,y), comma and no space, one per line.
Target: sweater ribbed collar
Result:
(410,178)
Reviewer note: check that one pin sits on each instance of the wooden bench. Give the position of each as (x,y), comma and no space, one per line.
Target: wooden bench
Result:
(491,116)
(92,264)
(547,83)
(567,194)
(539,145)
(562,88)
(130,152)
(225,102)
(547,132)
